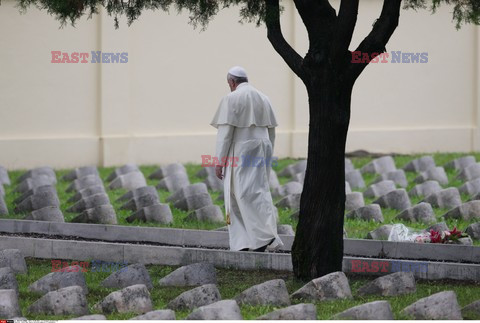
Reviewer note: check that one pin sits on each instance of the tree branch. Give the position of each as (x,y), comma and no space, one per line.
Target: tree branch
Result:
(315,14)
(378,38)
(275,36)
(346,21)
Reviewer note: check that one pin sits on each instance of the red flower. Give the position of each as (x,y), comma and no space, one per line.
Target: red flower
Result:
(456,233)
(435,237)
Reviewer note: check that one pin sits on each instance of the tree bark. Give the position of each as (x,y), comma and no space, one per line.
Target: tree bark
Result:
(318,246)
(328,74)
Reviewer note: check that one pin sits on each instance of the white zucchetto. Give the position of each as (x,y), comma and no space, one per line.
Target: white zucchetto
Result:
(237,71)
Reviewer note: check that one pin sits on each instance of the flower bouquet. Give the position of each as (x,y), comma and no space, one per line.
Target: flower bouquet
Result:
(447,236)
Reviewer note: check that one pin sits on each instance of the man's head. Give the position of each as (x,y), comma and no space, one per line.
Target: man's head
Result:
(235,76)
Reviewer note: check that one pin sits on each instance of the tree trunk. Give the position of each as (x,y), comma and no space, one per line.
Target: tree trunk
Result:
(318,246)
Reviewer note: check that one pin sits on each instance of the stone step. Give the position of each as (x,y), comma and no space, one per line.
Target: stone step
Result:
(219,239)
(178,256)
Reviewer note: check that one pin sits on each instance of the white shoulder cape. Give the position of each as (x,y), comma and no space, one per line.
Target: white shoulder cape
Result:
(245,107)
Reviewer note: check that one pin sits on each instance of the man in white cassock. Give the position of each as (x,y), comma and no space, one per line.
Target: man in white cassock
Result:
(245,139)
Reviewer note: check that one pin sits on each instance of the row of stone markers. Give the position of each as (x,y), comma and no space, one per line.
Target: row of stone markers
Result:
(90,200)
(64,293)
(384,191)
(141,199)
(193,198)
(38,195)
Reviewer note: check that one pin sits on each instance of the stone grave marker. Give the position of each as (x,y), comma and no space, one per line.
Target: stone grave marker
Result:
(64,301)
(294,312)
(86,192)
(425,189)
(434,174)
(125,169)
(89,202)
(461,163)
(470,172)
(273,292)
(376,310)
(381,233)
(447,198)
(397,176)
(84,182)
(33,182)
(103,214)
(80,172)
(8,280)
(168,170)
(211,213)
(369,212)
(36,190)
(40,171)
(379,189)
(130,275)
(466,211)
(72,276)
(471,187)
(144,190)
(174,182)
(156,315)
(397,200)
(421,164)
(139,202)
(473,230)
(159,213)
(439,306)
(380,165)
(221,310)
(197,297)
(48,213)
(4,178)
(422,212)
(193,202)
(129,181)
(355,179)
(9,306)
(329,287)
(192,189)
(354,201)
(38,201)
(196,274)
(14,259)
(287,189)
(135,298)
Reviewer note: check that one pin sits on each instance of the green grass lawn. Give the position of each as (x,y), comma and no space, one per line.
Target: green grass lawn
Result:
(232,282)
(354,228)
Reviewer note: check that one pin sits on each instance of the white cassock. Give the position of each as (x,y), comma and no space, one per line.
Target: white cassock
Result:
(246,130)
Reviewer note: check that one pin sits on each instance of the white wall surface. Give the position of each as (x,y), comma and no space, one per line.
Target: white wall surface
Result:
(156,108)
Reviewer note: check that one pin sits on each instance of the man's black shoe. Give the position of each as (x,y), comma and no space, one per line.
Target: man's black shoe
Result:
(262,249)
